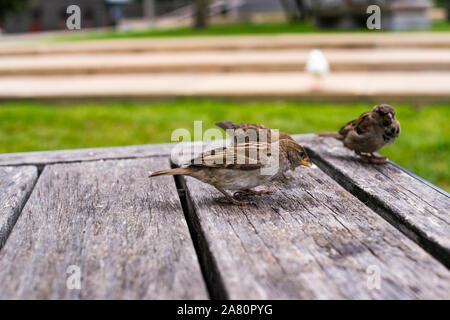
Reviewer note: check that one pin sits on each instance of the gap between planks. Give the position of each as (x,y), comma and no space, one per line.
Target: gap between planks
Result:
(208,265)
(408,229)
(21,205)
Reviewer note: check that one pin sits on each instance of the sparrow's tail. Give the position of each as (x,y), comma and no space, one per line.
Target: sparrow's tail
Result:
(335,135)
(170,172)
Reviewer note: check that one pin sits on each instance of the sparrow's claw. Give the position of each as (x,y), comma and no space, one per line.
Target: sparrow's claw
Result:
(234,201)
(374,159)
(250,192)
(374,156)
(286,176)
(380,162)
(230,199)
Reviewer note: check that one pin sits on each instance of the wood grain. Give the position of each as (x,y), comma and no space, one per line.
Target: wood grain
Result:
(92,154)
(418,210)
(16,185)
(125,232)
(41,158)
(310,239)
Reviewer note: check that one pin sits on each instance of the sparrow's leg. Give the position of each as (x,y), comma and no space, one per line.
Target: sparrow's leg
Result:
(248,192)
(372,158)
(230,199)
(364,156)
(286,176)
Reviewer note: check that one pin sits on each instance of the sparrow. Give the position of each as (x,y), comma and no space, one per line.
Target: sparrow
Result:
(246,132)
(242,167)
(372,131)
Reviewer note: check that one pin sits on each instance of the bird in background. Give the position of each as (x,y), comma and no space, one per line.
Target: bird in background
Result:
(372,131)
(318,66)
(245,170)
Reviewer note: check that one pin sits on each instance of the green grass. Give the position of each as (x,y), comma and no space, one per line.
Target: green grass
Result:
(441,26)
(221,30)
(423,147)
(213,30)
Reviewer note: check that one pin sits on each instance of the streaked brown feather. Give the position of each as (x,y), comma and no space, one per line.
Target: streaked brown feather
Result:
(248,156)
(243,129)
(361,125)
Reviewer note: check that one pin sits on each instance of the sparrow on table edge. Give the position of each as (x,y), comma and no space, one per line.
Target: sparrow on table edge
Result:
(372,131)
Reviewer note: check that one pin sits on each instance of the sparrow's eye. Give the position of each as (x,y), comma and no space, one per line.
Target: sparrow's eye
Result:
(302,154)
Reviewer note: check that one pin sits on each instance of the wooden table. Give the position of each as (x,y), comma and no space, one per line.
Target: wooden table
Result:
(342,229)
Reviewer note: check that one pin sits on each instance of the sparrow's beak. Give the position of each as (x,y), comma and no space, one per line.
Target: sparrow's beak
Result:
(306,162)
(388,117)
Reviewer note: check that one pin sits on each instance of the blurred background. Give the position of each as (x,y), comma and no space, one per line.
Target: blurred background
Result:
(137,70)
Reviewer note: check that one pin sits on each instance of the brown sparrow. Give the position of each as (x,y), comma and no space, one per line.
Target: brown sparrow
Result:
(372,131)
(247,132)
(242,167)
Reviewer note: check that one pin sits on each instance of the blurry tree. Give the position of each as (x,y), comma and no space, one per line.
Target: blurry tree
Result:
(303,9)
(447,6)
(295,10)
(201,11)
(10,6)
(443,4)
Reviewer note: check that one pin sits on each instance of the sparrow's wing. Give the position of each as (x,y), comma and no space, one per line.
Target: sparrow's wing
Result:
(248,156)
(244,126)
(247,126)
(260,129)
(360,125)
(242,131)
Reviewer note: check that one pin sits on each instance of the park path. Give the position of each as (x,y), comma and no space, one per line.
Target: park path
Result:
(406,67)
(421,87)
(294,60)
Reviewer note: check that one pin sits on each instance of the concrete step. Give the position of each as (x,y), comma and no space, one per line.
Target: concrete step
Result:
(366,40)
(389,87)
(219,61)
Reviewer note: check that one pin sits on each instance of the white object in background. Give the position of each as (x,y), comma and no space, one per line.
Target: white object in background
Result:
(318,66)
(317,63)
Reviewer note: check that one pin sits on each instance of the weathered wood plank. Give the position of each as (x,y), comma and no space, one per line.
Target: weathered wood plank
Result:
(418,210)
(310,239)
(92,154)
(125,232)
(16,184)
